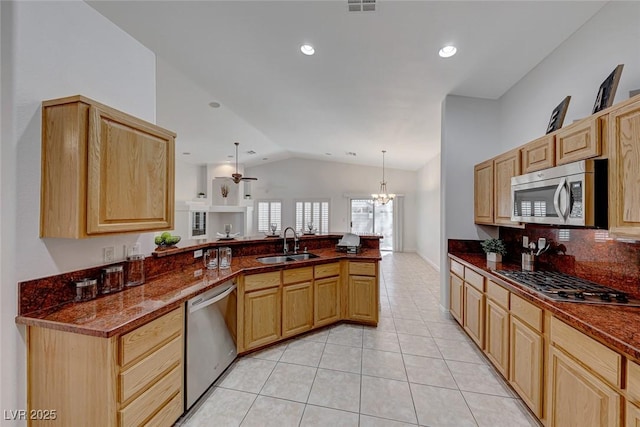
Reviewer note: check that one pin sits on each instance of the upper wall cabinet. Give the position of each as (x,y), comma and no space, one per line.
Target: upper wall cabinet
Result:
(581,140)
(505,166)
(624,170)
(483,193)
(539,154)
(103,171)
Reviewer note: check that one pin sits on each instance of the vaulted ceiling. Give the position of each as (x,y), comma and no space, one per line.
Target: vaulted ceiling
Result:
(376,81)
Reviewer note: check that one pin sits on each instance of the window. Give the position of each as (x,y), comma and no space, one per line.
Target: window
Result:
(269,211)
(315,211)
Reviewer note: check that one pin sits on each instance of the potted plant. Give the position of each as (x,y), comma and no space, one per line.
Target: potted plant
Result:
(494,248)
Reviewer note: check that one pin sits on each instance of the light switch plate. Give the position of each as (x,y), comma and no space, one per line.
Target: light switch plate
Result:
(525,241)
(197,254)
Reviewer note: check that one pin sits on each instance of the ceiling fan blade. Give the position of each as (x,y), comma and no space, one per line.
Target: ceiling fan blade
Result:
(246,178)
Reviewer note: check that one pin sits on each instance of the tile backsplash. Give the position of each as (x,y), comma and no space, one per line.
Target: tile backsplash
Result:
(587,253)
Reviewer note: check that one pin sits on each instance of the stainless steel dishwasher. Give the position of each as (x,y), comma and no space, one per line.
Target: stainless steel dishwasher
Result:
(210,347)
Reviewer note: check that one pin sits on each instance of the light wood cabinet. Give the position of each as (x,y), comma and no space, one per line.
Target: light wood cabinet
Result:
(456,297)
(483,193)
(326,300)
(539,154)
(362,305)
(624,171)
(632,415)
(578,141)
(497,328)
(505,166)
(297,301)
(137,378)
(473,317)
(526,364)
(262,317)
(103,171)
(577,397)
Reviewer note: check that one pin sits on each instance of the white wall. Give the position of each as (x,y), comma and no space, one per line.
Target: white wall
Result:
(576,68)
(305,178)
(428,212)
(54,49)
(470,130)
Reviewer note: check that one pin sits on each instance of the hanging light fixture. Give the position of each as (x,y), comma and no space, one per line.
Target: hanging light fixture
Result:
(382,197)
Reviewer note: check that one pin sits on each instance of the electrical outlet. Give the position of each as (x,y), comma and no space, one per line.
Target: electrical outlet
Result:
(197,273)
(108,253)
(525,241)
(197,254)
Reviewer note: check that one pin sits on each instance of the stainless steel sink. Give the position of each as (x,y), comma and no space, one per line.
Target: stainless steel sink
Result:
(285,258)
(298,257)
(273,259)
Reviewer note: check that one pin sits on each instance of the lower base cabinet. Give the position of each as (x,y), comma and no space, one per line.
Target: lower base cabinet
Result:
(577,397)
(262,317)
(526,364)
(473,318)
(497,337)
(456,306)
(363,302)
(632,415)
(297,308)
(326,301)
(130,380)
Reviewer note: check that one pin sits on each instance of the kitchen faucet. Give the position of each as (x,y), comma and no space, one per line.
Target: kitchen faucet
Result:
(295,241)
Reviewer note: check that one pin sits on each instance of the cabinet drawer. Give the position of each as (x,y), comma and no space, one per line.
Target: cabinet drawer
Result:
(597,357)
(633,381)
(362,269)
(578,141)
(169,414)
(498,294)
(327,270)
(457,268)
(151,400)
(474,279)
(527,312)
(142,340)
(297,275)
(143,373)
(254,282)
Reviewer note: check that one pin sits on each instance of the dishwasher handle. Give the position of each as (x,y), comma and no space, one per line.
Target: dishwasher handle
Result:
(214,297)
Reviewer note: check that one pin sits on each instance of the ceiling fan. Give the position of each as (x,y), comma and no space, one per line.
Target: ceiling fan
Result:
(237,177)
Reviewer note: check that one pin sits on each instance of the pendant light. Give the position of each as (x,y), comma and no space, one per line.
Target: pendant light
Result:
(382,197)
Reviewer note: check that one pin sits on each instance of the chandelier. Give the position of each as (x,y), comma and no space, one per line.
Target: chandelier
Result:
(382,197)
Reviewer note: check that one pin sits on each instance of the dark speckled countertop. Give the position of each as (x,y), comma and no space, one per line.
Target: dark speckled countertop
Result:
(123,311)
(616,326)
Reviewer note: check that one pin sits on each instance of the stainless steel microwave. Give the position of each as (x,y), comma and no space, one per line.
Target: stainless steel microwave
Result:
(572,194)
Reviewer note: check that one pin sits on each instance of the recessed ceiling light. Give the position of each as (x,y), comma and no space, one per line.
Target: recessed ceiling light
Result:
(214,104)
(186,153)
(265,158)
(350,153)
(447,51)
(328,154)
(307,49)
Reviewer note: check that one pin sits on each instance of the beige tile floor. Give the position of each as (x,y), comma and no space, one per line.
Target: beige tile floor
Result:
(416,368)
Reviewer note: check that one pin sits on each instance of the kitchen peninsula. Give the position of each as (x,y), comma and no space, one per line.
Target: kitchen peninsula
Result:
(126,349)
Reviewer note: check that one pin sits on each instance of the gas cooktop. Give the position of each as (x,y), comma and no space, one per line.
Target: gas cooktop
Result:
(566,288)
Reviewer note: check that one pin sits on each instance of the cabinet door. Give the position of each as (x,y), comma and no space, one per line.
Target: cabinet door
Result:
(130,175)
(473,319)
(525,364)
(577,397)
(483,193)
(497,337)
(578,141)
(624,170)
(456,299)
(326,301)
(539,154)
(362,301)
(262,311)
(505,166)
(632,415)
(297,308)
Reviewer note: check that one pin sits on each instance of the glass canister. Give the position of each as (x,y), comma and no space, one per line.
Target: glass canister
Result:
(112,279)
(224,258)
(86,289)
(210,259)
(135,270)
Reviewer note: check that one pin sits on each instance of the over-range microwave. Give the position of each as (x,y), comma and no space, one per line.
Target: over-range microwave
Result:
(573,194)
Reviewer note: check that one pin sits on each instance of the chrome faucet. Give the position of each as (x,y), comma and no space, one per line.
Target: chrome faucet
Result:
(295,241)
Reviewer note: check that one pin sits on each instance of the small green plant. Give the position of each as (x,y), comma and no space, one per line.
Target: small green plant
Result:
(494,245)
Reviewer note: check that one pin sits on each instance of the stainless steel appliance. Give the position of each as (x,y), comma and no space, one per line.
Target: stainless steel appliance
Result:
(566,288)
(572,194)
(210,347)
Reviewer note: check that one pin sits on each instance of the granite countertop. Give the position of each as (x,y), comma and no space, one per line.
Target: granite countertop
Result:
(124,311)
(614,325)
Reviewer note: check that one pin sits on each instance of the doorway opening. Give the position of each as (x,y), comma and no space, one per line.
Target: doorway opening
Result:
(368,217)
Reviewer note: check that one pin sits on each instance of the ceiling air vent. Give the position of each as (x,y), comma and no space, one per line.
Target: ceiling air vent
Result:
(361,5)
(251,152)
